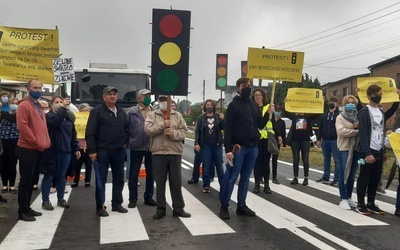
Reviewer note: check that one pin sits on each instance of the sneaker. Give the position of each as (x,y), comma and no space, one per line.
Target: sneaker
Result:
(224,213)
(74,184)
(362,209)
(13,191)
(47,206)
(26,217)
(102,213)
(191,181)
(397,212)
(295,181)
(374,209)
(351,202)
(150,202)
(53,190)
(87,184)
(244,210)
(119,209)
(63,203)
(323,181)
(132,204)
(4,190)
(305,182)
(344,204)
(334,183)
(276,181)
(206,190)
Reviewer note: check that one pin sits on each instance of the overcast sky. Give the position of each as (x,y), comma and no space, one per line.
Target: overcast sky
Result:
(118,31)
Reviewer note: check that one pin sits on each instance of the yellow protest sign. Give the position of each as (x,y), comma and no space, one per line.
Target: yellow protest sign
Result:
(388,85)
(80,123)
(28,53)
(303,100)
(394,139)
(275,64)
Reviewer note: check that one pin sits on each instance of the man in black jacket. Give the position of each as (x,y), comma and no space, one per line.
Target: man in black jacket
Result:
(243,119)
(107,133)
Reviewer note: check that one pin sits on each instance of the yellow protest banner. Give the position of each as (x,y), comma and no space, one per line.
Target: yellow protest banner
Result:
(388,85)
(28,54)
(303,100)
(275,64)
(80,123)
(394,139)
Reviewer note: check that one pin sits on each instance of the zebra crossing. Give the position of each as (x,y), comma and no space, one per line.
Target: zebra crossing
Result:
(135,227)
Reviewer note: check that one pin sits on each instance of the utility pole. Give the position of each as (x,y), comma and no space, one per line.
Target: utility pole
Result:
(204,91)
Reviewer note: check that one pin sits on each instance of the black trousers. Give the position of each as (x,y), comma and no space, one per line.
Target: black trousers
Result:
(78,166)
(30,161)
(369,177)
(275,165)
(261,167)
(304,148)
(8,162)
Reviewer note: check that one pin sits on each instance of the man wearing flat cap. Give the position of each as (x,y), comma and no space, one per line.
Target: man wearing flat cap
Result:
(139,144)
(106,137)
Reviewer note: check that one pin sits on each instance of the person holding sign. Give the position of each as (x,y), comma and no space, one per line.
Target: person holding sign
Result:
(371,133)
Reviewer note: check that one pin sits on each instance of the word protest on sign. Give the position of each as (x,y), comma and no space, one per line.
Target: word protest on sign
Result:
(303,100)
(275,64)
(80,124)
(63,70)
(388,85)
(394,139)
(27,54)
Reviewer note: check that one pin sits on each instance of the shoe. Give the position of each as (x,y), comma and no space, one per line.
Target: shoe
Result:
(397,212)
(4,190)
(159,214)
(224,213)
(267,190)
(150,202)
(66,191)
(63,203)
(256,189)
(362,209)
(191,181)
(87,184)
(323,181)
(351,202)
(2,199)
(47,206)
(206,190)
(182,214)
(276,181)
(334,183)
(119,209)
(74,185)
(53,190)
(132,204)
(244,210)
(381,190)
(102,213)
(344,204)
(34,213)
(26,217)
(305,182)
(295,181)
(35,187)
(374,209)
(13,191)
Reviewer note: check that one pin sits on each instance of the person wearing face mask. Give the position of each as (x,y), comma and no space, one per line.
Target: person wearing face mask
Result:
(139,145)
(33,140)
(347,141)
(45,106)
(327,140)
(242,123)
(167,133)
(9,137)
(371,133)
(4,97)
(208,141)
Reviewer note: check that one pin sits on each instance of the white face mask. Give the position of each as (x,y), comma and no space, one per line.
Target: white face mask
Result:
(46,111)
(163,105)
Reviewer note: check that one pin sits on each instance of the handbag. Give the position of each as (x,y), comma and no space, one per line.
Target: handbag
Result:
(272,144)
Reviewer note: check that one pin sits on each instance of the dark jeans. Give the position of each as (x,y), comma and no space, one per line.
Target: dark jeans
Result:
(304,147)
(329,148)
(115,160)
(88,167)
(196,165)
(136,163)
(261,167)
(212,155)
(30,161)
(369,177)
(8,162)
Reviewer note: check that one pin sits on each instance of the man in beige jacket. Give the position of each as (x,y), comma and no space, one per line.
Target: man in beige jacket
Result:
(166,136)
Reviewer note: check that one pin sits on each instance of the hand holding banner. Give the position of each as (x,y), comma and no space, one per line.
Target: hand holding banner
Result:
(304,100)
(389,90)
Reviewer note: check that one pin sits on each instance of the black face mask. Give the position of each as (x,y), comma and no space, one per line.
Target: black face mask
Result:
(376,99)
(245,92)
(331,105)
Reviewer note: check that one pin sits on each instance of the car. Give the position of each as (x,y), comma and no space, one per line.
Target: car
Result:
(288,124)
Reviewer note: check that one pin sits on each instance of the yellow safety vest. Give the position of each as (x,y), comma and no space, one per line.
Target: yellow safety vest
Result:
(268,127)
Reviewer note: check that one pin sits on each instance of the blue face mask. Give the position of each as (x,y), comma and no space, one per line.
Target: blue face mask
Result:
(4,100)
(350,107)
(277,113)
(35,95)
(13,107)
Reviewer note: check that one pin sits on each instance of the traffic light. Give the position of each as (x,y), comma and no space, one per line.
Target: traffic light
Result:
(170,52)
(294,58)
(243,66)
(222,71)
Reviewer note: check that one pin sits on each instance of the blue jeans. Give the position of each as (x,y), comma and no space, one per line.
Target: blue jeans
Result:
(211,154)
(136,163)
(243,164)
(64,159)
(346,190)
(329,147)
(114,159)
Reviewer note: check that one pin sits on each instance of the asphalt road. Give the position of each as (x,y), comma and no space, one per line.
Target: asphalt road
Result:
(292,217)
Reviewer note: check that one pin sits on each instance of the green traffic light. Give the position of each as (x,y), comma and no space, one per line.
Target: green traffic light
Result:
(167,80)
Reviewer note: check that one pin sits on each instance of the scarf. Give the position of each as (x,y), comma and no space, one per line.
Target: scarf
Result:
(351,117)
